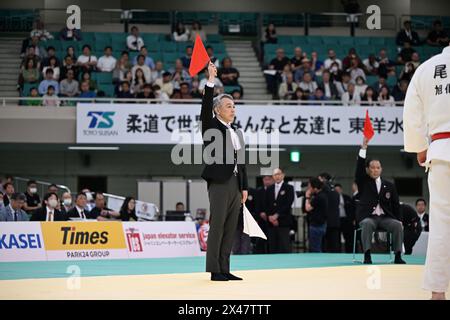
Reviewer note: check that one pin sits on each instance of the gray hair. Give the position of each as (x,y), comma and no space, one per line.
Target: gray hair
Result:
(218,100)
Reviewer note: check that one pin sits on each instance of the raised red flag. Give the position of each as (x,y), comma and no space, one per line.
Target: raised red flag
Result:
(368,128)
(199,57)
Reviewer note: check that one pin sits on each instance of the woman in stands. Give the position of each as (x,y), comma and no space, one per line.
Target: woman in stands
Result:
(385,99)
(180,33)
(128,209)
(369,97)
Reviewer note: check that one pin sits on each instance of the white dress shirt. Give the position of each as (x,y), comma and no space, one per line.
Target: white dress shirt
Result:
(277,188)
(50,214)
(81,212)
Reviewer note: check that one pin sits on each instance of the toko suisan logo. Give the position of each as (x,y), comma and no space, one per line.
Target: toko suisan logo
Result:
(101,119)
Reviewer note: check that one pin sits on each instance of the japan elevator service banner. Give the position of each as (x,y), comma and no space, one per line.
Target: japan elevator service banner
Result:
(295,125)
(161,239)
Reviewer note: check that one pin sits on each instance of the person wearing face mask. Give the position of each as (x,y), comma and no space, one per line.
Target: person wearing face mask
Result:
(33,201)
(379,205)
(66,202)
(49,211)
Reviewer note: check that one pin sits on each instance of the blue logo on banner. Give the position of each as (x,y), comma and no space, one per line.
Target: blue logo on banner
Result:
(101,120)
(20,241)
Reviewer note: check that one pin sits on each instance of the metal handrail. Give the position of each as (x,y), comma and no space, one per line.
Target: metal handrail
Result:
(42,183)
(181,101)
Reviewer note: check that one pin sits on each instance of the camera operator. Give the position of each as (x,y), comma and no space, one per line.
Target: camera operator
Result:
(316,207)
(332,236)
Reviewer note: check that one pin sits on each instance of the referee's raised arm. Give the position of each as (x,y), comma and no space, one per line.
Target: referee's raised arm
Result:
(206,114)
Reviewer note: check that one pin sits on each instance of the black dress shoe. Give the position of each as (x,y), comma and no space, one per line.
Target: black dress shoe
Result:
(398,258)
(230,276)
(367,257)
(218,277)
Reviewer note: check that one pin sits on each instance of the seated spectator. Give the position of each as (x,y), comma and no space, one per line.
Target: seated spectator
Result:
(79,211)
(49,211)
(270,35)
(86,92)
(347,62)
(134,41)
(407,72)
(228,74)
(236,94)
(415,60)
(180,33)
(122,67)
(349,98)
(331,59)
(308,83)
(40,32)
(31,55)
(318,95)
(369,97)
(9,190)
(158,72)
(67,34)
(276,64)
(382,81)
(141,65)
(107,62)
(39,50)
(387,66)
(33,201)
(286,70)
(138,82)
(179,74)
(147,92)
(186,59)
(148,60)
(299,94)
(328,86)
(165,83)
(69,86)
(197,29)
(335,72)
(360,86)
(51,53)
(385,99)
(407,34)
(297,59)
(355,71)
(48,81)
(125,91)
(128,209)
(101,212)
(92,83)
(87,62)
(54,66)
(305,68)
(406,53)
(70,51)
(159,94)
(438,37)
(69,65)
(218,86)
(342,86)
(183,93)
(195,91)
(13,210)
(31,73)
(67,204)
(371,65)
(316,64)
(287,89)
(50,99)
(37,101)
(211,56)
(399,91)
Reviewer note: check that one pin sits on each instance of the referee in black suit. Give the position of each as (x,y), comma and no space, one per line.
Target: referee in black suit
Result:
(225,174)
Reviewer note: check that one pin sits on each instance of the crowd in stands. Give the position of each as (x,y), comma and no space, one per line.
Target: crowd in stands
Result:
(134,73)
(304,76)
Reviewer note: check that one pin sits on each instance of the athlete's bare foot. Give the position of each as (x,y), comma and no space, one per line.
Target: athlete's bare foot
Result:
(438,296)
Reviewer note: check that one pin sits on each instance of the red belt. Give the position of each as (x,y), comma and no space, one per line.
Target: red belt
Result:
(440,135)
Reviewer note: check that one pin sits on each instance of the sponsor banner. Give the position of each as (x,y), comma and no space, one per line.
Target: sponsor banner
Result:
(296,125)
(21,241)
(99,254)
(161,239)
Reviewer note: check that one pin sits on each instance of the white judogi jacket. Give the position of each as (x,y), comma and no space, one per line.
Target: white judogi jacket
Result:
(427,108)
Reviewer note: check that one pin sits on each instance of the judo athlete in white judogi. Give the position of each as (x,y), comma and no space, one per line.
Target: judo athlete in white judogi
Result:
(426,122)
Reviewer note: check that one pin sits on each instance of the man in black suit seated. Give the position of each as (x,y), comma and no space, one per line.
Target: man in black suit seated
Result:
(379,205)
(48,211)
(280,197)
(100,211)
(79,210)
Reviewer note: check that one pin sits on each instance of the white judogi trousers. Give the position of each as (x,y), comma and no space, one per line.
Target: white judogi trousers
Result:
(437,265)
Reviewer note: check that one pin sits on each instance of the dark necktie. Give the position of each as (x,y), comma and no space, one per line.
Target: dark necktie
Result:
(15,215)
(82,214)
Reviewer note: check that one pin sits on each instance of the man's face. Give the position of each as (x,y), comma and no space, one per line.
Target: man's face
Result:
(70,75)
(144,51)
(100,201)
(108,52)
(338,189)
(227,110)
(374,170)
(278,175)
(17,204)
(141,61)
(280,53)
(85,87)
(66,195)
(9,189)
(268,181)
(179,207)
(49,75)
(298,52)
(331,54)
(421,207)
(135,32)
(184,89)
(81,201)
(189,51)
(325,76)
(31,186)
(53,189)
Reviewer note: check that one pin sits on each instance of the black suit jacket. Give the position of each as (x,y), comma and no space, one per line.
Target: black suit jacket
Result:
(334,91)
(349,205)
(402,37)
(333,220)
(73,213)
(40,214)
(281,205)
(369,197)
(221,170)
